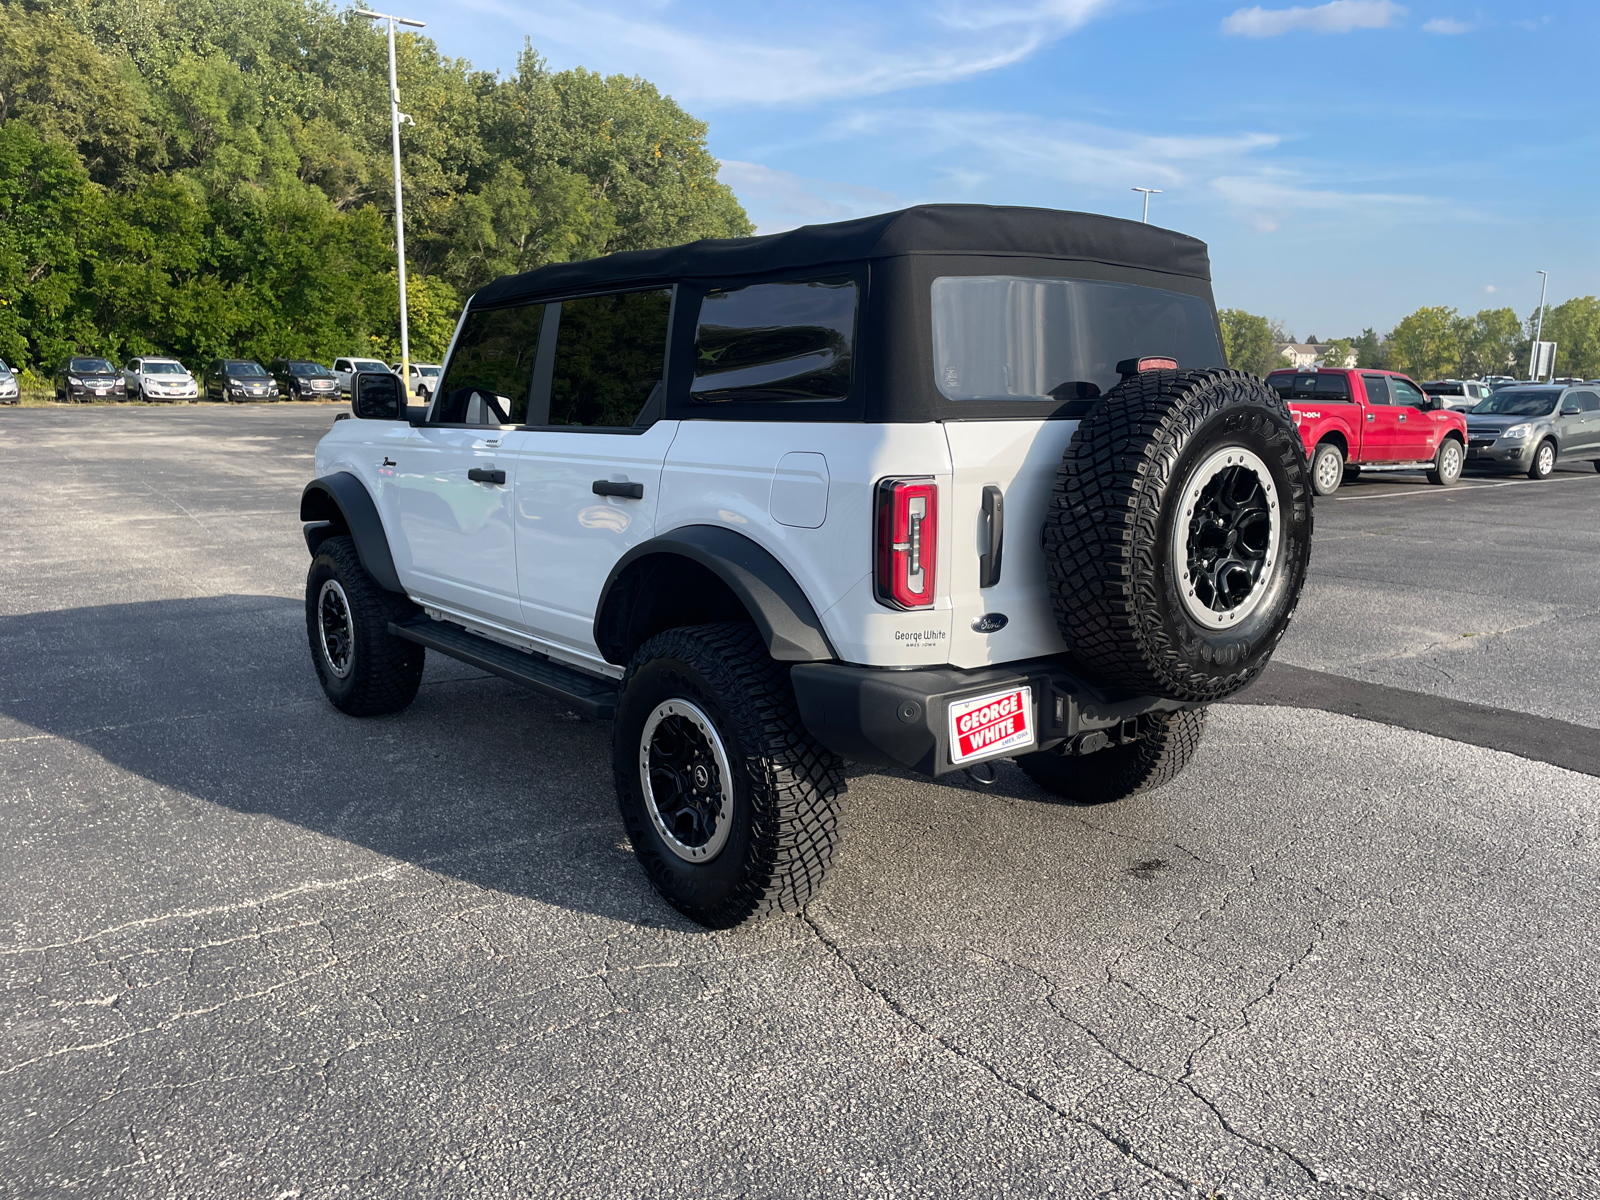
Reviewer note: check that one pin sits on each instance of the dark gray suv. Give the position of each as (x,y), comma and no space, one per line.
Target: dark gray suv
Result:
(1532,427)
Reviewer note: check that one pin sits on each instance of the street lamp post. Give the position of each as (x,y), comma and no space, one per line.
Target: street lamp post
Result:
(1533,354)
(399,209)
(1148,192)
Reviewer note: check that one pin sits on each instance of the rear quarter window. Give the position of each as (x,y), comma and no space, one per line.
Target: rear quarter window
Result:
(784,341)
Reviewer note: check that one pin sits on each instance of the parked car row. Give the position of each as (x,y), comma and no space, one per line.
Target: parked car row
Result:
(1350,419)
(151,379)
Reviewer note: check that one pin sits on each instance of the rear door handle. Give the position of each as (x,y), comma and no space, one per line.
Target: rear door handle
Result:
(994,516)
(480,475)
(1371,417)
(629,491)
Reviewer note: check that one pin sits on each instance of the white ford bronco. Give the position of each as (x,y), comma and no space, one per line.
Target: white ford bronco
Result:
(920,490)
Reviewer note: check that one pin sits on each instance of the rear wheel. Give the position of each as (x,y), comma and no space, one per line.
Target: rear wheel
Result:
(1544,461)
(363,668)
(1168,742)
(731,806)
(1327,469)
(1447,463)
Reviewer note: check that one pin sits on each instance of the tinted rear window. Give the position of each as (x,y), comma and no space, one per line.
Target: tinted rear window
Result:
(1010,337)
(793,340)
(1327,388)
(611,353)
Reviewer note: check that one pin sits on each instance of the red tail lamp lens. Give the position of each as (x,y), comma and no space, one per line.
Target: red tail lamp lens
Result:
(907,542)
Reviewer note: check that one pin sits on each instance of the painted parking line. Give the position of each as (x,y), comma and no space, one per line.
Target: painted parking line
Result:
(1464,485)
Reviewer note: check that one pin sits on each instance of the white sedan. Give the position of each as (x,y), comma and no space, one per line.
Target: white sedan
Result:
(159,379)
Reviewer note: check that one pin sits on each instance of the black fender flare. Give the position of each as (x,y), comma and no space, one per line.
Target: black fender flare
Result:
(340,503)
(776,603)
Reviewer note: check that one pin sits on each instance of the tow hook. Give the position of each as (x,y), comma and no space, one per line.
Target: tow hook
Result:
(993,769)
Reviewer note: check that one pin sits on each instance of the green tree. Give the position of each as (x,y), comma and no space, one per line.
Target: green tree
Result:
(1371,350)
(1575,328)
(1247,341)
(1426,344)
(1337,352)
(1491,343)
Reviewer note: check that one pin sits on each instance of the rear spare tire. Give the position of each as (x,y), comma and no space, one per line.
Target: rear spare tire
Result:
(1179,532)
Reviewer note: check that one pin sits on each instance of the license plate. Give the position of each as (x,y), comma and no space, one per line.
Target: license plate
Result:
(991,724)
(100,391)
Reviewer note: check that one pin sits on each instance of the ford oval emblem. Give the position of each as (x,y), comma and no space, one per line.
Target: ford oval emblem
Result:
(990,623)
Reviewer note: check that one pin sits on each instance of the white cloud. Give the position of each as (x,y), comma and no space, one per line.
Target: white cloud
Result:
(1267,198)
(722,52)
(1488,287)
(785,200)
(1447,25)
(1338,16)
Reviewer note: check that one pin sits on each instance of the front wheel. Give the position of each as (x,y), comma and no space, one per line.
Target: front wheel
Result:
(1167,742)
(1327,469)
(1544,461)
(1447,463)
(363,668)
(731,806)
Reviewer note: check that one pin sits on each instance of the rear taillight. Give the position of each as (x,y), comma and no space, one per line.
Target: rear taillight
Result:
(908,540)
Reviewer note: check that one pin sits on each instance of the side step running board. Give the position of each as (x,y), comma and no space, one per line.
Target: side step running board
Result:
(584,693)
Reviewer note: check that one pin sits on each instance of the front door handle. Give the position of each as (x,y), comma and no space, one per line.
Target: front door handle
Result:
(1372,417)
(1402,418)
(608,487)
(994,516)
(480,475)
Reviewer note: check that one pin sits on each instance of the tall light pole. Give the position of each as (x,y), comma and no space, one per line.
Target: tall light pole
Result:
(399,209)
(1148,192)
(1533,354)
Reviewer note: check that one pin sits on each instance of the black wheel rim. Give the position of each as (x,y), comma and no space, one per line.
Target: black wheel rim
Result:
(1225,537)
(335,630)
(685,772)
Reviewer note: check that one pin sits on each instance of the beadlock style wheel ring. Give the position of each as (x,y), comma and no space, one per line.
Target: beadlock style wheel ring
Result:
(1226,537)
(687,783)
(335,630)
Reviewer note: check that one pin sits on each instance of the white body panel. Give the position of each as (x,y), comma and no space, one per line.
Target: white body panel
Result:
(724,473)
(567,538)
(1021,458)
(458,534)
(526,562)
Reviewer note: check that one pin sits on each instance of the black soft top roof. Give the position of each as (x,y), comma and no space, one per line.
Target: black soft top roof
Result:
(951,229)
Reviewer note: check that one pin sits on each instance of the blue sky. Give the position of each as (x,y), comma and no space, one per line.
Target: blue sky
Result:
(1347,162)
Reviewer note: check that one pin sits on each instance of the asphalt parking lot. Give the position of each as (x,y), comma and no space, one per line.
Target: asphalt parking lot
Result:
(254,948)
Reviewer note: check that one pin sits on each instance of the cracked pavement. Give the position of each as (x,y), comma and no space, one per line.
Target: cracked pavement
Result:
(251,947)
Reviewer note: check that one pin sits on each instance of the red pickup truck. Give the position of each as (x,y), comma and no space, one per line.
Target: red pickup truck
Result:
(1354,418)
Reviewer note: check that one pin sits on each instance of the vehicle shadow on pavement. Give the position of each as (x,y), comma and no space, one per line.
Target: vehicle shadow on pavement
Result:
(215,698)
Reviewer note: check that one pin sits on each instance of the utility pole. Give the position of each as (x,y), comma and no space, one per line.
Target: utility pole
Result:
(1148,192)
(395,116)
(1533,354)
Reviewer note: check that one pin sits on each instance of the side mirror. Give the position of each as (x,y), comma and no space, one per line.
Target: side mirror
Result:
(1570,409)
(377,396)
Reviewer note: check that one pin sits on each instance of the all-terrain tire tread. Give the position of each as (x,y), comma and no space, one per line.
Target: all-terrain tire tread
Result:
(1100,532)
(1156,759)
(795,784)
(388,669)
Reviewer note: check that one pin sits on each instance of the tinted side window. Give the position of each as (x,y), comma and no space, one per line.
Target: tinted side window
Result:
(611,354)
(1407,394)
(1377,388)
(1587,401)
(1333,387)
(491,369)
(776,341)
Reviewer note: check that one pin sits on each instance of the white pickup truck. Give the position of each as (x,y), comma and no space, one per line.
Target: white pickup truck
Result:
(921,490)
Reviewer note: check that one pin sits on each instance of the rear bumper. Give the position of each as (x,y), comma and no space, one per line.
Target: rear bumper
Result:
(901,718)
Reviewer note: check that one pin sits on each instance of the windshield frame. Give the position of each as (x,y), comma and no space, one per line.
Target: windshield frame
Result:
(318,371)
(148,366)
(254,370)
(74,369)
